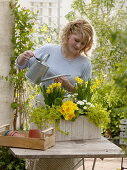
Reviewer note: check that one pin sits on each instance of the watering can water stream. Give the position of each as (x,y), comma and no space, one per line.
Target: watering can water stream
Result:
(38,70)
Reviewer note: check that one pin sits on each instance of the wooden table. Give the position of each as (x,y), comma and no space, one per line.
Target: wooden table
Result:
(97,148)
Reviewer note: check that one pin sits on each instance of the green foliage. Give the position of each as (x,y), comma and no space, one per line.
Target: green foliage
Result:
(98,115)
(109,21)
(9,162)
(53,94)
(114,99)
(61,105)
(44,116)
(28,33)
(83,91)
(120,76)
(46,34)
(22,40)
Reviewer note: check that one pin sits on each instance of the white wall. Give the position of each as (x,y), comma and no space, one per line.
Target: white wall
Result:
(6,91)
(65,8)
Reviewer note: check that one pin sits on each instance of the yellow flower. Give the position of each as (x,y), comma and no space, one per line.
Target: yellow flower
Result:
(48,39)
(96,84)
(44,29)
(86,82)
(48,91)
(58,84)
(52,86)
(33,30)
(67,109)
(69,116)
(79,80)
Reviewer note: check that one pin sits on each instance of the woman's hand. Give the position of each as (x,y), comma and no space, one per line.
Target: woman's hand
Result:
(22,58)
(65,83)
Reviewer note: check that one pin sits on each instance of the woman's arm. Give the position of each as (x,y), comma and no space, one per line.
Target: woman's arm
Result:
(24,57)
(65,83)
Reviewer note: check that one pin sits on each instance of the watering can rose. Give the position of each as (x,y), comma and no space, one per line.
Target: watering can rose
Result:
(68,109)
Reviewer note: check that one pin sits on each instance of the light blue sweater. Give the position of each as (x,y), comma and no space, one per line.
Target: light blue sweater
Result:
(58,64)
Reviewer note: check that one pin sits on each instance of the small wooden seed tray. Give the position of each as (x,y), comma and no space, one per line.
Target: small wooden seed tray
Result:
(46,141)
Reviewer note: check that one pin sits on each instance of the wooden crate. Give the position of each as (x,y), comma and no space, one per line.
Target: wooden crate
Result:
(46,141)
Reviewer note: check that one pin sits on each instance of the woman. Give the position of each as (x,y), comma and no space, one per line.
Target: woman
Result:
(68,58)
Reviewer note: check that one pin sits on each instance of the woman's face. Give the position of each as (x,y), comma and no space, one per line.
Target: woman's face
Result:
(75,43)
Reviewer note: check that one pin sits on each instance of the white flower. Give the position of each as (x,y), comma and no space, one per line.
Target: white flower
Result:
(88,103)
(84,107)
(92,105)
(69,95)
(65,99)
(75,94)
(80,102)
(85,101)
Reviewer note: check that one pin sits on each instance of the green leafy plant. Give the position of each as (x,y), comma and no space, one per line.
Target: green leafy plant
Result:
(61,105)
(53,94)
(27,35)
(82,88)
(113,98)
(98,115)
(24,21)
(120,76)
(9,162)
(44,116)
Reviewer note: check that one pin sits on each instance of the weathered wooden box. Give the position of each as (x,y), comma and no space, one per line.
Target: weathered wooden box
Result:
(79,129)
(46,141)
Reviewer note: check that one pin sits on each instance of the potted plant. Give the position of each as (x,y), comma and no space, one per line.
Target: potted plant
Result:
(74,115)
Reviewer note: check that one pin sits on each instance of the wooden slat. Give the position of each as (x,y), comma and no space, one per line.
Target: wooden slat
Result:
(122,142)
(123,128)
(79,129)
(123,121)
(123,134)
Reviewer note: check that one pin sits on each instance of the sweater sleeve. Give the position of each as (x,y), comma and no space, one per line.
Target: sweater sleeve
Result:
(39,53)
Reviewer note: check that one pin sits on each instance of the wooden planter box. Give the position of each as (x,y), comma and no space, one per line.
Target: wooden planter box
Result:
(80,129)
(46,141)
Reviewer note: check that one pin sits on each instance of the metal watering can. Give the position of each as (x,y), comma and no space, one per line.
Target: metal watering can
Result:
(38,70)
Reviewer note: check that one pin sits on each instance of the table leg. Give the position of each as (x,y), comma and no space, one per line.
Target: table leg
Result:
(122,164)
(34,164)
(78,163)
(83,163)
(94,163)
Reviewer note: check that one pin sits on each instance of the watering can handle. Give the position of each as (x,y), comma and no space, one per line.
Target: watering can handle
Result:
(45,58)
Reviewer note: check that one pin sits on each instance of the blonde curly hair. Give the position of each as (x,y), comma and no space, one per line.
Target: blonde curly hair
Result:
(79,26)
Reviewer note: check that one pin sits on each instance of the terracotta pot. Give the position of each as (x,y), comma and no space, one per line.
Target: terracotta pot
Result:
(35,133)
